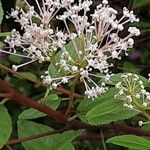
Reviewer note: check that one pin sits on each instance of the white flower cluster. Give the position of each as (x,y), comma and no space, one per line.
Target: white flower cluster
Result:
(39,39)
(94,41)
(132,92)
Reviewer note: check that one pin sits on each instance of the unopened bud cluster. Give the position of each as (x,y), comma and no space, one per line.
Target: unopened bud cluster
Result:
(95,40)
(132,92)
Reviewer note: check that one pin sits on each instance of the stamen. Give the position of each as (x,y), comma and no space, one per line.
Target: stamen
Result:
(39,7)
(141,123)
(15,67)
(3,51)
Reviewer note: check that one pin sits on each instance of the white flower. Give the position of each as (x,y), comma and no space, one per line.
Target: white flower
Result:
(118,85)
(140,123)
(130,42)
(14,67)
(88,48)
(64,80)
(37,42)
(130,15)
(149,77)
(104,1)
(47,79)
(134,31)
(74,68)
(129,99)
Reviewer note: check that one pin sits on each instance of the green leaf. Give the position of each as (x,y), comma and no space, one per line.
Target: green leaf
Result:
(146,127)
(141,25)
(1,13)
(5,126)
(28,128)
(130,141)
(29,75)
(52,101)
(15,59)
(117,78)
(4,34)
(87,104)
(21,4)
(71,50)
(96,2)
(31,114)
(20,84)
(139,3)
(2,45)
(51,142)
(56,71)
(68,146)
(64,140)
(53,71)
(145,31)
(119,113)
(103,110)
(129,67)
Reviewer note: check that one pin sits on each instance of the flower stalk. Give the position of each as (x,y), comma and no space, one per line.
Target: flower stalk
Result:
(71,97)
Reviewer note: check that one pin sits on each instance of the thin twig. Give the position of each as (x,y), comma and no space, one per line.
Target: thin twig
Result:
(71,97)
(130,4)
(8,147)
(126,129)
(4,95)
(29,138)
(103,140)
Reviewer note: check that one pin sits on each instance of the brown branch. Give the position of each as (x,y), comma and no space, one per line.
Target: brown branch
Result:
(88,135)
(40,135)
(85,135)
(128,130)
(5,95)
(16,96)
(58,89)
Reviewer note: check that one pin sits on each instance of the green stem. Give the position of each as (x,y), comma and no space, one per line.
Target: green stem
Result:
(47,92)
(4,100)
(141,109)
(146,114)
(72,118)
(71,97)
